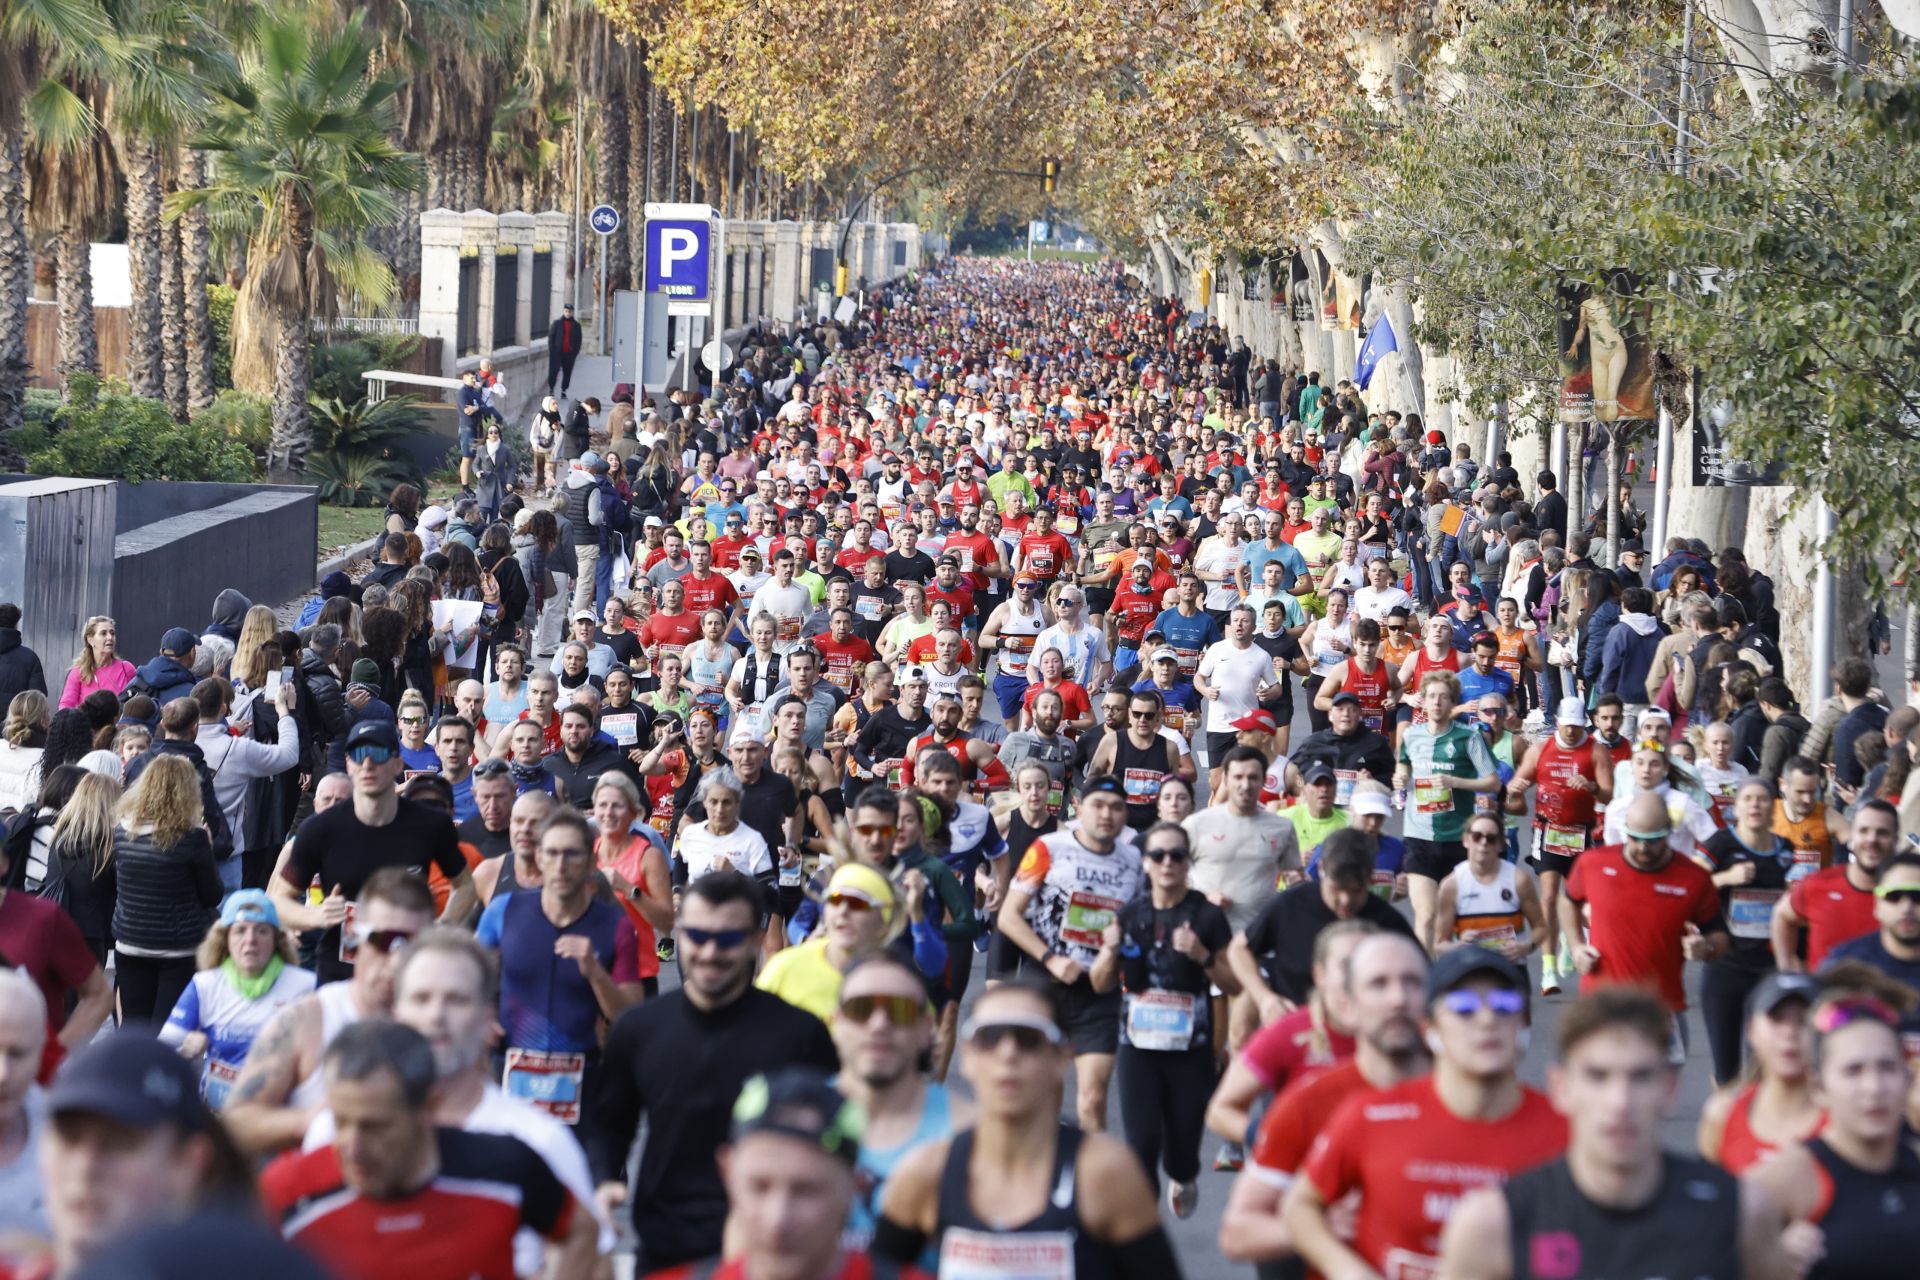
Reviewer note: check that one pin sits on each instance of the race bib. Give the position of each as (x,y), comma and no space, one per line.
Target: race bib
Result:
(965,556)
(622,726)
(1067,525)
(1568,842)
(550,1081)
(217,1082)
(1374,720)
(1056,796)
(1160,1020)
(1432,795)
(1041,562)
(988,1255)
(890,771)
(1405,1264)
(349,940)
(1750,912)
(1088,915)
(1488,935)
(792,877)
(1343,783)
(870,607)
(789,628)
(1142,785)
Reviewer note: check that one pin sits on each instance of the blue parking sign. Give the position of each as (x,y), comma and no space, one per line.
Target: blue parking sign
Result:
(677,258)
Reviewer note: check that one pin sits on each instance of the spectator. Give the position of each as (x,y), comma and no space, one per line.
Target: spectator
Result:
(19,666)
(169,885)
(99,666)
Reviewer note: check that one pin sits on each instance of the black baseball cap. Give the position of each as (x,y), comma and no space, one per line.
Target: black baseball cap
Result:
(1102,783)
(178,642)
(375,731)
(1344,696)
(133,1079)
(1454,967)
(1778,988)
(1318,771)
(798,1102)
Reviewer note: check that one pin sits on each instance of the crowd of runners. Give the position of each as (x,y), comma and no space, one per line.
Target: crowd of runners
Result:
(1024,681)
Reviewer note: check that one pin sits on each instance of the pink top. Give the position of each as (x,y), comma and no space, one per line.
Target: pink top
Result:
(114,677)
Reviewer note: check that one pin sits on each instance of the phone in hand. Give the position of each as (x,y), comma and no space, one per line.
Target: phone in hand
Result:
(274,681)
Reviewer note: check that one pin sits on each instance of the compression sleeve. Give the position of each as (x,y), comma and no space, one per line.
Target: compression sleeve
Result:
(895,1242)
(1150,1257)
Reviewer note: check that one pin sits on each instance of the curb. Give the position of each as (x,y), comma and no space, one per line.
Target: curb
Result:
(359,551)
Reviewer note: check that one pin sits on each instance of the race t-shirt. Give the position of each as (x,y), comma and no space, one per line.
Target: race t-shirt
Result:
(1075,893)
(1834,910)
(1412,1160)
(1637,919)
(1435,810)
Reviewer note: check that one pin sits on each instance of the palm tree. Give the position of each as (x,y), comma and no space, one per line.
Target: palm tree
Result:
(32,32)
(301,133)
(73,174)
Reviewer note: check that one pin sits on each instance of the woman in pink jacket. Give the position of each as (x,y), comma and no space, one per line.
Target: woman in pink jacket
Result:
(98,666)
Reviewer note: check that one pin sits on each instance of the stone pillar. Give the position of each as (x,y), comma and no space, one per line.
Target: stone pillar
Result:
(785,289)
(757,277)
(480,231)
(555,229)
(737,287)
(440,234)
(518,230)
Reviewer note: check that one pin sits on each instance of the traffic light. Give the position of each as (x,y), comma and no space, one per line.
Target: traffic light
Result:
(1049,174)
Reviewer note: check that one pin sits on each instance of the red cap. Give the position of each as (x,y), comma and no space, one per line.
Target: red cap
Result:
(1257,722)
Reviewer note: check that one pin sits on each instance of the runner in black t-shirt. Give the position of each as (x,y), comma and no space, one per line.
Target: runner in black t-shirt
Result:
(907,565)
(349,842)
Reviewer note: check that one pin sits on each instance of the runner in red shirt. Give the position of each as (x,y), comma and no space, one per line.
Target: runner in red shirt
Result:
(706,588)
(1414,1150)
(671,627)
(1574,774)
(948,586)
(419,1201)
(843,655)
(1648,911)
(979,555)
(1042,552)
(1135,605)
(1835,904)
(1386,984)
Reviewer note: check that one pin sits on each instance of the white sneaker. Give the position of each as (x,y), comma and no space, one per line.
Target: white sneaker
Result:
(1183,1198)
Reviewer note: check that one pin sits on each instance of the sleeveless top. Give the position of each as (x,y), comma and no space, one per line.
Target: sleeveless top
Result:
(1812,842)
(876,1165)
(1512,653)
(337,1013)
(1421,665)
(1327,659)
(1049,1246)
(1869,1220)
(1371,688)
(1488,914)
(1141,771)
(1021,834)
(1740,1147)
(1558,803)
(1690,1229)
(1017,633)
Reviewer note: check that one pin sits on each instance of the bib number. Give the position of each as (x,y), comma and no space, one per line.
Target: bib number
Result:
(1432,795)
(1750,912)
(1088,915)
(1142,785)
(1160,1020)
(1343,783)
(217,1083)
(986,1255)
(550,1081)
(1568,842)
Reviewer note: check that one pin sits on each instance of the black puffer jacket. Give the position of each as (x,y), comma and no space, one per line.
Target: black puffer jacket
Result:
(19,667)
(325,704)
(166,897)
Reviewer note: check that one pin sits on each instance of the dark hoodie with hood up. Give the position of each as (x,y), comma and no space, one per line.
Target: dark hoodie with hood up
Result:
(229,611)
(19,667)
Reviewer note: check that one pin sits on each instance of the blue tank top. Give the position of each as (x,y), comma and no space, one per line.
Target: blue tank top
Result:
(875,1166)
(545,1003)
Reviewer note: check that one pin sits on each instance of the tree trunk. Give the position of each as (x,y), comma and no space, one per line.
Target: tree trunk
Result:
(639,140)
(173,322)
(16,276)
(145,365)
(1613,497)
(79,343)
(440,177)
(292,369)
(406,248)
(196,255)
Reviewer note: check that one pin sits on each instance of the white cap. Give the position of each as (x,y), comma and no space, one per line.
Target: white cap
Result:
(653,522)
(1653,715)
(746,733)
(1572,711)
(1168,654)
(1367,804)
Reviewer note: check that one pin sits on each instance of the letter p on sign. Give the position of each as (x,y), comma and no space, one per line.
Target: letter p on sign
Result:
(677,258)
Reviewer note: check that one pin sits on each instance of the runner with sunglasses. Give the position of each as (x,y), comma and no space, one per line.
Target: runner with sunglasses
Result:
(1615,1204)
(1075,1205)
(1414,1150)
(1068,888)
(679,1061)
(1647,912)
(1168,946)
(1893,948)
(343,848)
(883,1031)
(1840,1205)
(1488,901)
(281,1086)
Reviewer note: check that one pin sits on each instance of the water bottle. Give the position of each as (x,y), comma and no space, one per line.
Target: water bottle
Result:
(1399,797)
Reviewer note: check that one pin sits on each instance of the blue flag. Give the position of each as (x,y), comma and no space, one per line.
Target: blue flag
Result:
(1380,340)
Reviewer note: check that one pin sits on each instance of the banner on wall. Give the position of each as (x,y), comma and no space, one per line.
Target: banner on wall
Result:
(1606,354)
(1250,282)
(1327,291)
(1715,463)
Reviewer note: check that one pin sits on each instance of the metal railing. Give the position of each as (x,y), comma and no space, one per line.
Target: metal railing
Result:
(376,324)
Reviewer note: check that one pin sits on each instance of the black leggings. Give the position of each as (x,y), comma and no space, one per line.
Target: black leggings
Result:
(1723,1007)
(1163,1107)
(150,987)
(1316,718)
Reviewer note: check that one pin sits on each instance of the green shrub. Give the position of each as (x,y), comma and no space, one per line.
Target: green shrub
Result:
(105,432)
(241,416)
(42,404)
(356,477)
(220,303)
(341,360)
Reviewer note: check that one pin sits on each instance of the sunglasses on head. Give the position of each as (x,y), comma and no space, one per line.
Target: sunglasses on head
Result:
(385,941)
(1500,1001)
(724,939)
(491,768)
(370,753)
(901,1011)
(1028,1035)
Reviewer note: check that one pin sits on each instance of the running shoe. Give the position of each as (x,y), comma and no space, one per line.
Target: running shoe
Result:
(1549,976)
(665,950)
(1183,1198)
(1229,1158)
(1566,958)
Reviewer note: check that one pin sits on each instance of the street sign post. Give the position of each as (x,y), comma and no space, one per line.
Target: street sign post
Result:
(604,219)
(683,291)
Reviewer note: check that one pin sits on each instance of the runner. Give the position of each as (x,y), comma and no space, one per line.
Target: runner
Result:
(1020,1193)
(1747,1121)
(1836,904)
(1488,901)
(1574,774)
(1068,888)
(1750,865)
(1442,767)
(1414,1150)
(1615,1204)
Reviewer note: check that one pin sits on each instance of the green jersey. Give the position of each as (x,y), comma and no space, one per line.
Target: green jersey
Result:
(1436,811)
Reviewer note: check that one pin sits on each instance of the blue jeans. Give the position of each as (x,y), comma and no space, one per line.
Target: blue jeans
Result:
(230,871)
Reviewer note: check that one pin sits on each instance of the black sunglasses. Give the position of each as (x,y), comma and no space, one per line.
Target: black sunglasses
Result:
(725,939)
(491,768)
(1166,855)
